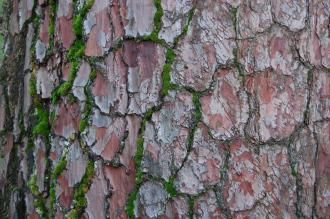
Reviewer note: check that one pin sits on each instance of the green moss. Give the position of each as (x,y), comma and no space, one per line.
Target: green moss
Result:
(157,24)
(73,71)
(42,127)
(82,125)
(76,51)
(79,19)
(53,6)
(33,184)
(139,150)
(170,188)
(92,75)
(36,23)
(117,45)
(88,5)
(77,26)
(310,76)
(197,104)
(307,111)
(79,200)
(72,214)
(89,103)
(52,196)
(139,175)
(130,203)
(65,87)
(185,28)
(71,98)
(33,89)
(236,62)
(166,77)
(39,203)
(29,146)
(191,203)
(41,207)
(198,115)
(51,27)
(170,55)
(148,115)
(59,167)
(158,16)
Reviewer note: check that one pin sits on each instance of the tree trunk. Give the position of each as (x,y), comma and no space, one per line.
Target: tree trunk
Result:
(164,109)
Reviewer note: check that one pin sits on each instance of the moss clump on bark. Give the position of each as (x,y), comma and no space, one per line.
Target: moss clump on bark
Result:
(76,51)
(42,127)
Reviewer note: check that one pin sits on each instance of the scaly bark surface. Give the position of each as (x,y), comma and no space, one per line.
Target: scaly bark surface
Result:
(165,109)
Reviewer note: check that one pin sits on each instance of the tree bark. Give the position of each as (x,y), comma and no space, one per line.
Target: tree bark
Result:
(165,109)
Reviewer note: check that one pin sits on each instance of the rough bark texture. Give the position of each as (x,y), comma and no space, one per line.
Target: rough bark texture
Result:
(165,109)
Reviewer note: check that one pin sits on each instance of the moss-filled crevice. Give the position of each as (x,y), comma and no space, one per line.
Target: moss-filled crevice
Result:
(39,127)
(166,77)
(75,53)
(197,118)
(139,175)
(65,87)
(184,32)
(157,24)
(57,170)
(310,76)
(79,199)
(219,187)
(79,19)
(191,204)
(39,202)
(89,102)
(51,28)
